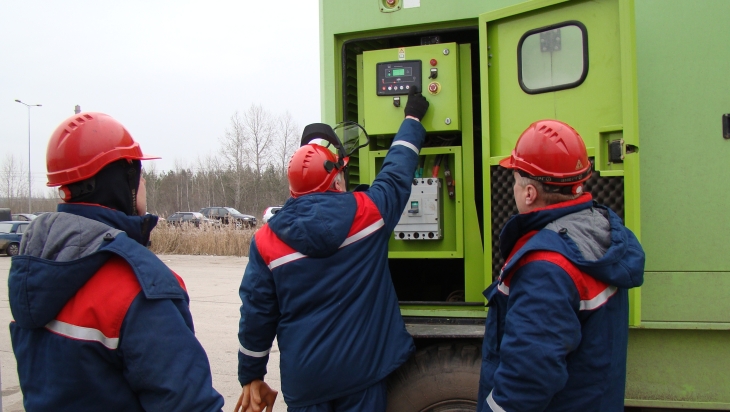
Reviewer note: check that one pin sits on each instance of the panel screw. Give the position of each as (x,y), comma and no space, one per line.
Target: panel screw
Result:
(446,52)
(448,120)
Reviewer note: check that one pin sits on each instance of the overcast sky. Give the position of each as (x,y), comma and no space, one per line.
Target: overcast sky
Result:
(173,72)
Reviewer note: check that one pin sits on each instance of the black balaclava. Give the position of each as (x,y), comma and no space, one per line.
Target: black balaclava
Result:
(114,186)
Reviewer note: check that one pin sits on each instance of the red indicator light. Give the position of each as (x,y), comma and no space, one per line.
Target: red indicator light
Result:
(433,62)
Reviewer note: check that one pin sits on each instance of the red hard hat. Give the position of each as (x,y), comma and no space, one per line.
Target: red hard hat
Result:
(86,142)
(312,169)
(551,152)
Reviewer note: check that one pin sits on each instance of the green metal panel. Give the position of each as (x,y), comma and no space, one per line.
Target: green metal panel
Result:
(452,243)
(381,116)
(684,88)
(342,20)
(685,297)
(443,311)
(686,369)
(589,108)
(596,108)
(475,278)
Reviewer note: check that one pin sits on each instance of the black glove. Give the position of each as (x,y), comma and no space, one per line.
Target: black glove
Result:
(417,104)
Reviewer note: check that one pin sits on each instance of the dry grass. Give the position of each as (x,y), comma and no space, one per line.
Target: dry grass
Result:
(190,240)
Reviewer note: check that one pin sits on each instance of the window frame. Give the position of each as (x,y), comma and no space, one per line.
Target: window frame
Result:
(565,86)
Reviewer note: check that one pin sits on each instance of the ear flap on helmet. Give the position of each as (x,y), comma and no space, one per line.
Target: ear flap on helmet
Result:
(324,131)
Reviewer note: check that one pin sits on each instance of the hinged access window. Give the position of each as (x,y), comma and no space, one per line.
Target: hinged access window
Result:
(553,58)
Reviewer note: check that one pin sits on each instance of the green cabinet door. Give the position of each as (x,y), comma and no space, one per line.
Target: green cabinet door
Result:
(571,61)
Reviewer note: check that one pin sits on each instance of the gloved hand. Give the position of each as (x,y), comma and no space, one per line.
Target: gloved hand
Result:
(417,104)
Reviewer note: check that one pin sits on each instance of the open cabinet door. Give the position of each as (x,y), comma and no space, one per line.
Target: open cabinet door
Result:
(571,61)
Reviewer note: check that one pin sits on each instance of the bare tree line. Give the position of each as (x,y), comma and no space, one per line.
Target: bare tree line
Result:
(14,188)
(248,172)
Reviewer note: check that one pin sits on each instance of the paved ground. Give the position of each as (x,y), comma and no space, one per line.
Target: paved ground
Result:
(212,284)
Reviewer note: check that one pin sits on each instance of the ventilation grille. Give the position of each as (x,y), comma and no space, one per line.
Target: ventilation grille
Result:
(607,191)
(352,50)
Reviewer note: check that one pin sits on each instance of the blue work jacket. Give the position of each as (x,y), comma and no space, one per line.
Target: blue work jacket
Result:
(318,281)
(557,328)
(100,322)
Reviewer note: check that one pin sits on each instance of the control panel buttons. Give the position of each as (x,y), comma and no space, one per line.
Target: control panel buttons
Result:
(434,88)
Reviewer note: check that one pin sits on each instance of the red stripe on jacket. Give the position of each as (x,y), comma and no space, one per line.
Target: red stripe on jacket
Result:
(366,215)
(270,247)
(102,303)
(588,287)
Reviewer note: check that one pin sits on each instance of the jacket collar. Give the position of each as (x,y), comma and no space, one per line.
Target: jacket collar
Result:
(137,228)
(519,225)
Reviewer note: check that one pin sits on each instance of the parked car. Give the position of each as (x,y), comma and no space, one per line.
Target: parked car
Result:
(270,211)
(24,217)
(193,218)
(10,234)
(228,215)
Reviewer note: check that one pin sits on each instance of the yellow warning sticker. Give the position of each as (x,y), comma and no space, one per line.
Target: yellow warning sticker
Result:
(402,53)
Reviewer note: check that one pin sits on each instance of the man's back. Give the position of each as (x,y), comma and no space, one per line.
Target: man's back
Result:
(99,320)
(320,272)
(558,314)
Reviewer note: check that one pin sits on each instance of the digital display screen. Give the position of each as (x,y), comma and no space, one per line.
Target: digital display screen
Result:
(397,77)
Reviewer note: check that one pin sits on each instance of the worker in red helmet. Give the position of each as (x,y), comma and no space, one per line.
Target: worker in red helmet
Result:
(318,280)
(557,327)
(100,323)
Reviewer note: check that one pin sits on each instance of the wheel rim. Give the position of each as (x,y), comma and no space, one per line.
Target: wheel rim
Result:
(13,249)
(452,405)
(239,224)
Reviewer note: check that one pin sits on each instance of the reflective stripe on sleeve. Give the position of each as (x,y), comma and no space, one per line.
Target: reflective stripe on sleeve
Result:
(363,233)
(406,144)
(81,333)
(285,259)
(599,300)
(252,353)
(492,404)
(503,288)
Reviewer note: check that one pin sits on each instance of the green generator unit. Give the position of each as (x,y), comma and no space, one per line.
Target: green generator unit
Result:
(647,85)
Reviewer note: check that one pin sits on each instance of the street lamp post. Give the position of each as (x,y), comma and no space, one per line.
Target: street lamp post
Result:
(29,185)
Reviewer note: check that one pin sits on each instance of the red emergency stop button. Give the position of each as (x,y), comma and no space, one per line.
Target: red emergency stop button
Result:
(433,62)
(433,87)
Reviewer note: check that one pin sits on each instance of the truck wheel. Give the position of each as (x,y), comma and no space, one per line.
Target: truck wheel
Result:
(439,378)
(13,249)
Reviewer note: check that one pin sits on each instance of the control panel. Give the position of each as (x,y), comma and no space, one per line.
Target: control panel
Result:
(388,75)
(421,219)
(396,78)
